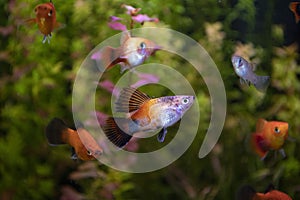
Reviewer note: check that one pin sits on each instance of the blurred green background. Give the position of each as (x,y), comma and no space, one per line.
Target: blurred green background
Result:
(36,84)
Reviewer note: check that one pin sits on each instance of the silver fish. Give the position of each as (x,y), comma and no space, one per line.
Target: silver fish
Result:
(145,115)
(245,71)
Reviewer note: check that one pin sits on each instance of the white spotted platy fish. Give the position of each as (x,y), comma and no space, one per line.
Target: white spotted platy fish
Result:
(245,71)
(132,52)
(58,133)
(45,18)
(145,115)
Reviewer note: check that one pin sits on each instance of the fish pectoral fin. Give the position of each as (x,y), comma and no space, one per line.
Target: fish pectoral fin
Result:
(162,134)
(130,99)
(115,134)
(74,156)
(282,152)
(55,130)
(244,82)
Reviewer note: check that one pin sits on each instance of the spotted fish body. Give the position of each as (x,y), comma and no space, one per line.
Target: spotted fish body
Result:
(245,71)
(84,146)
(145,115)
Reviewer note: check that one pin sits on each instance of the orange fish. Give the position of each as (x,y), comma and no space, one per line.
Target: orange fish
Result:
(295,8)
(132,52)
(145,115)
(248,193)
(269,136)
(45,19)
(58,133)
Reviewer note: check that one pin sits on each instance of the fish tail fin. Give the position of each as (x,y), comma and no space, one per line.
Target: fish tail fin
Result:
(114,133)
(108,57)
(245,193)
(258,145)
(55,130)
(262,83)
(31,21)
(293,8)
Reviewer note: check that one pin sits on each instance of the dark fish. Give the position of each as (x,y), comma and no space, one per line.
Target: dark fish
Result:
(58,133)
(245,71)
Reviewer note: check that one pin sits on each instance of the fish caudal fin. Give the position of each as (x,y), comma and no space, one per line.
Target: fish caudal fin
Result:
(55,130)
(114,133)
(107,57)
(293,7)
(258,144)
(130,99)
(262,83)
(245,193)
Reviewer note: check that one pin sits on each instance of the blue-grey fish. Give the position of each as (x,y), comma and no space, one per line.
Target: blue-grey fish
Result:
(145,115)
(244,70)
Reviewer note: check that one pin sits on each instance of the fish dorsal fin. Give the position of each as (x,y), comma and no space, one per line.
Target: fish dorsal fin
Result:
(253,66)
(55,131)
(130,99)
(125,36)
(260,125)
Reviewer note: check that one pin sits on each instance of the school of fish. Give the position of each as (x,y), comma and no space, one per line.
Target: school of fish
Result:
(145,115)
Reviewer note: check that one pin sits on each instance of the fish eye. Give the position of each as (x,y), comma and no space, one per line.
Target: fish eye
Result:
(185,101)
(143,45)
(277,130)
(89,153)
(50,13)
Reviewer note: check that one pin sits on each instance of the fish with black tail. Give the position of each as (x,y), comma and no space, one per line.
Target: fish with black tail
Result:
(248,193)
(145,115)
(45,19)
(57,132)
(246,73)
(132,52)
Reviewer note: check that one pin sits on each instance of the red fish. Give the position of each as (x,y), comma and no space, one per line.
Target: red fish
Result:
(45,19)
(145,115)
(269,136)
(248,193)
(58,133)
(295,8)
(132,52)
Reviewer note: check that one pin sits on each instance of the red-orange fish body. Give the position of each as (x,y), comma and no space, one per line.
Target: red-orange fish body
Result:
(132,52)
(269,136)
(145,115)
(248,193)
(45,19)
(85,147)
(295,8)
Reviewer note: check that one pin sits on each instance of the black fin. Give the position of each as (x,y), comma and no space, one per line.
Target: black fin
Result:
(130,99)
(162,134)
(117,136)
(54,131)
(245,193)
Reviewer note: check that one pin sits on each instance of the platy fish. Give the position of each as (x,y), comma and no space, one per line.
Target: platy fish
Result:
(269,136)
(45,19)
(295,8)
(245,71)
(248,193)
(145,114)
(57,133)
(132,52)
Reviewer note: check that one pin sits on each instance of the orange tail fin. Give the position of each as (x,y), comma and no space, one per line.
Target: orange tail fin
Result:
(259,145)
(114,133)
(55,131)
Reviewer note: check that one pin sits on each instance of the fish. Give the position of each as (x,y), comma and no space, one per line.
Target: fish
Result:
(269,135)
(245,71)
(57,133)
(248,193)
(132,52)
(144,114)
(295,8)
(45,18)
